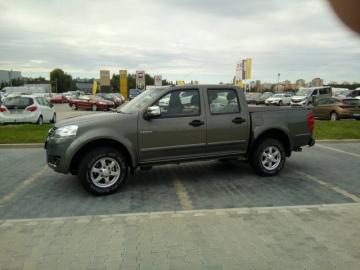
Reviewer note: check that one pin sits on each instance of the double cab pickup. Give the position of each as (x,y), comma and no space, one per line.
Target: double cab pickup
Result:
(176,124)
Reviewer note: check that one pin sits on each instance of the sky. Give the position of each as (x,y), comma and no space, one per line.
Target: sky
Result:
(180,39)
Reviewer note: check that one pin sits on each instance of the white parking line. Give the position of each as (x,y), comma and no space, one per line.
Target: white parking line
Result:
(338,150)
(182,194)
(331,186)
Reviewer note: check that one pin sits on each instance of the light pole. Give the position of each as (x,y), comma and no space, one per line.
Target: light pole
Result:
(277,88)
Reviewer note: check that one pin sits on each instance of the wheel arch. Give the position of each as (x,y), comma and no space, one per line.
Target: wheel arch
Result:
(103,142)
(274,133)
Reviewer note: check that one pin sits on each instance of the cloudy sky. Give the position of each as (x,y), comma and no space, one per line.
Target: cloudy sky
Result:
(180,39)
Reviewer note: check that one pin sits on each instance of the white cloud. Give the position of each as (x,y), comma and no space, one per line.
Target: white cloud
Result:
(180,39)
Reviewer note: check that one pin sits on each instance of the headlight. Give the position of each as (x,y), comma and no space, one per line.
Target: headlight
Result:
(66,131)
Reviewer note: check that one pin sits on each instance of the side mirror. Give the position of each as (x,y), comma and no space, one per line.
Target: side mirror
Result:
(152,112)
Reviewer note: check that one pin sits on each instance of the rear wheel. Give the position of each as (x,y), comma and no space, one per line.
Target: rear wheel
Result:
(40,120)
(103,171)
(74,107)
(334,116)
(53,120)
(280,103)
(268,157)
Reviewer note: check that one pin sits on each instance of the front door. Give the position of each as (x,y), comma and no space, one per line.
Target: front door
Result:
(228,126)
(179,132)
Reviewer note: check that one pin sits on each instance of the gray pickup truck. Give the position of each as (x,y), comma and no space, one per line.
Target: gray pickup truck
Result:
(173,125)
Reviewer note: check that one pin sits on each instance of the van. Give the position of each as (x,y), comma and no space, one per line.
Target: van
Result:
(308,96)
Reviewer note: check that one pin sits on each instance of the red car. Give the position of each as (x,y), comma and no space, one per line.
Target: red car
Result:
(58,99)
(88,103)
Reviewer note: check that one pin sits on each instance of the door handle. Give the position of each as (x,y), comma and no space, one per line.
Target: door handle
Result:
(196,123)
(238,120)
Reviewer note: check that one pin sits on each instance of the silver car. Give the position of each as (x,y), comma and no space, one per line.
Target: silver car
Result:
(27,109)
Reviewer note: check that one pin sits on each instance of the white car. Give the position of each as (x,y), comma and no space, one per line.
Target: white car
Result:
(279,99)
(27,109)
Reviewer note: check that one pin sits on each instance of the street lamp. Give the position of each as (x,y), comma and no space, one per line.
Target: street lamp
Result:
(277,88)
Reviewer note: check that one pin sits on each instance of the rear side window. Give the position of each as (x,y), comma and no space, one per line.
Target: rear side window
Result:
(18,102)
(223,101)
(324,91)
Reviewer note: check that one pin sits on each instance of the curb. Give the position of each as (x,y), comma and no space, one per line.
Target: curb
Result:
(338,141)
(21,145)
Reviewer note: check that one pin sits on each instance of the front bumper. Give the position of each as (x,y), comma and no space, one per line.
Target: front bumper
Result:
(59,152)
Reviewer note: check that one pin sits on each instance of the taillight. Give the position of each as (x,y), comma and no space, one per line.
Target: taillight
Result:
(3,109)
(310,121)
(31,108)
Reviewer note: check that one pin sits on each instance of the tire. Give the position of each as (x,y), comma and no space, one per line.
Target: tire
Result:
(94,107)
(106,183)
(73,106)
(258,157)
(40,120)
(280,103)
(53,120)
(334,116)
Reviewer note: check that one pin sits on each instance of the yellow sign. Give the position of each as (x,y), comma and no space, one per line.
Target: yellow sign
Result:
(240,84)
(180,82)
(123,84)
(94,88)
(248,63)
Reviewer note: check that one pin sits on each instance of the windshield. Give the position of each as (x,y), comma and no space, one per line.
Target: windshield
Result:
(351,101)
(139,102)
(302,92)
(278,95)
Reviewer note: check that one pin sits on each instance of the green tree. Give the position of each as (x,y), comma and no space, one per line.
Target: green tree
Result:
(131,81)
(60,81)
(115,83)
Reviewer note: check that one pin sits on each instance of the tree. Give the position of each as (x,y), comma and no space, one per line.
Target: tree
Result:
(115,83)
(60,81)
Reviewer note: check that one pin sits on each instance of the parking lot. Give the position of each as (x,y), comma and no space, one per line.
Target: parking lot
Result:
(202,215)
(324,174)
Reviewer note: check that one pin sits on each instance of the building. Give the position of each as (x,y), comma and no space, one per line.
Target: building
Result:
(85,87)
(6,76)
(258,86)
(300,83)
(317,82)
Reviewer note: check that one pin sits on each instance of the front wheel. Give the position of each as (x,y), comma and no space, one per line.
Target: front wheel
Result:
(268,157)
(334,116)
(280,103)
(94,107)
(103,171)
(53,120)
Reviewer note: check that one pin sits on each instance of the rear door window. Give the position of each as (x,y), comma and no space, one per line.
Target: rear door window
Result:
(223,101)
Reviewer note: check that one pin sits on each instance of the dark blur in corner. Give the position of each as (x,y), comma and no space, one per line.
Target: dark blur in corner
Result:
(348,12)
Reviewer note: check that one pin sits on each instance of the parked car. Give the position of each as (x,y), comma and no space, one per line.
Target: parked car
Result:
(111,97)
(354,94)
(89,103)
(27,109)
(58,99)
(213,121)
(336,109)
(134,93)
(252,98)
(279,99)
(263,97)
(308,96)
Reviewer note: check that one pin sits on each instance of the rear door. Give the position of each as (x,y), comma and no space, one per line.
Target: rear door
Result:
(179,132)
(228,122)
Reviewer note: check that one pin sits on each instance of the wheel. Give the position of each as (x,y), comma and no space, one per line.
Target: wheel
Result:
(103,171)
(53,120)
(94,107)
(40,120)
(334,116)
(280,103)
(74,107)
(268,157)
